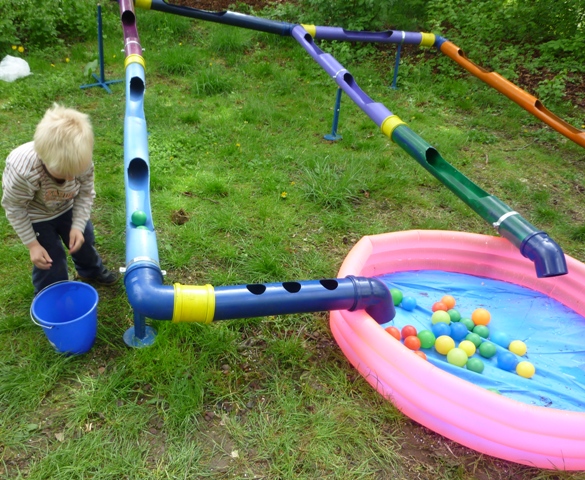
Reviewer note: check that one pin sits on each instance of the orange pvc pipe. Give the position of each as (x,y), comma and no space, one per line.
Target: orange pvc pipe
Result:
(515,93)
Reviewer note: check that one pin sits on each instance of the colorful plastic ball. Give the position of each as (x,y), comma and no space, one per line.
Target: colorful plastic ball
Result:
(448,301)
(458,331)
(494,390)
(518,347)
(525,369)
(481,316)
(457,356)
(427,338)
(482,331)
(475,365)
(474,338)
(407,331)
(440,316)
(138,218)
(439,306)
(444,344)
(412,342)
(394,332)
(468,322)
(408,303)
(454,315)
(468,347)
(487,349)
(500,338)
(396,296)
(507,361)
(142,227)
(421,354)
(440,329)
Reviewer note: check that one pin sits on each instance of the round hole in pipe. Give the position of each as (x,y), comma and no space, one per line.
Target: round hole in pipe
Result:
(256,288)
(292,287)
(329,283)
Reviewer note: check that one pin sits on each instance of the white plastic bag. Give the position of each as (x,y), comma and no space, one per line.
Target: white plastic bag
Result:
(12,68)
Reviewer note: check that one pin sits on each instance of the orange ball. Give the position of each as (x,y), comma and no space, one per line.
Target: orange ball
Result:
(420,354)
(449,301)
(394,332)
(480,316)
(439,306)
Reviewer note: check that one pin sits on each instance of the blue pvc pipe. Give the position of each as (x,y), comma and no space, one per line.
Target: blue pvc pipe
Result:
(350,293)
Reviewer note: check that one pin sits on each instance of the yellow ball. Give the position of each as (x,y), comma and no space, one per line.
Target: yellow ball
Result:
(518,347)
(525,369)
(444,344)
(468,347)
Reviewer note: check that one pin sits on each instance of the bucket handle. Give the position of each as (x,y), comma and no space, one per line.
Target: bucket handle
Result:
(32,317)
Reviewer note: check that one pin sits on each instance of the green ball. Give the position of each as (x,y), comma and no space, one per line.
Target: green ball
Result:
(457,357)
(454,314)
(396,296)
(474,338)
(475,365)
(487,349)
(468,323)
(441,316)
(482,331)
(138,218)
(141,227)
(427,338)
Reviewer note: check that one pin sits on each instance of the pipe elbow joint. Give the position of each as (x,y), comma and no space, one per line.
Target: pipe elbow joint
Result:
(374,296)
(147,294)
(548,257)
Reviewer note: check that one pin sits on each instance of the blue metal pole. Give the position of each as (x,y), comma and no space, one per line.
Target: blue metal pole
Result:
(333,135)
(396,65)
(101,81)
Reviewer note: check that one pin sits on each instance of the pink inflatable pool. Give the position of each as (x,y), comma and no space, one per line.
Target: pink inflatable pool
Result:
(489,423)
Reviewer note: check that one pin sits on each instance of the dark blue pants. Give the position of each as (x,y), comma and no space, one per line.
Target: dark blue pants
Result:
(52,235)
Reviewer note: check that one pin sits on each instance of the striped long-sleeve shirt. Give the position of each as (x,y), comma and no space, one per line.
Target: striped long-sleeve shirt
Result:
(31,195)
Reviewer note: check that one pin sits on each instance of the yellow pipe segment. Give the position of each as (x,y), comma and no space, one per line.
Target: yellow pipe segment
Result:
(145,4)
(193,303)
(389,125)
(311,29)
(134,58)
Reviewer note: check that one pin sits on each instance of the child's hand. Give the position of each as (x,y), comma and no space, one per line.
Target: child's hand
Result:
(39,256)
(76,240)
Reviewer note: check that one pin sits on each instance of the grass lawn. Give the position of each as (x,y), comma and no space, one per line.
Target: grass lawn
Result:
(245,189)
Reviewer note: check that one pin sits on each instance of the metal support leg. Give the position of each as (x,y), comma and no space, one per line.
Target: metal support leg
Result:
(396,65)
(140,335)
(333,135)
(101,81)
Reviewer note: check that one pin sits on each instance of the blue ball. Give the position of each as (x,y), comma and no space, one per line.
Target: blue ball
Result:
(458,331)
(507,361)
(408,303)
(440,329)
(500,338)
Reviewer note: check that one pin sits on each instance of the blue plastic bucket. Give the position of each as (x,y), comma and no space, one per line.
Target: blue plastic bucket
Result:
(67,312)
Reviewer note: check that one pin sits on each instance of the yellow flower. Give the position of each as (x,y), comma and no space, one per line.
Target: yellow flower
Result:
(52,64)
(238,145)
(21,49)
(114,56)
(180,43)
(283,195)
(66,59)
(292,183)
(13,47)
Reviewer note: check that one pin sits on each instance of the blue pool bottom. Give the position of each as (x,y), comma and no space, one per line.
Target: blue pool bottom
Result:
(554,334)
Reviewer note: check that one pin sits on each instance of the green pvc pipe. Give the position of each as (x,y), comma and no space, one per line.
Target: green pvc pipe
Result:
(508,222)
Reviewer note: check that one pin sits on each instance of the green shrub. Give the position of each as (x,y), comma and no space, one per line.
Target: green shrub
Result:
(47,24)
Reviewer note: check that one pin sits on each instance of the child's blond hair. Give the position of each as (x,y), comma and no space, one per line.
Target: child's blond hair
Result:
(64,141)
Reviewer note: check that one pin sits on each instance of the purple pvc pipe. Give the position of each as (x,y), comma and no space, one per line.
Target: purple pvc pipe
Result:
(376,111)
(389,36)
(131,41)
